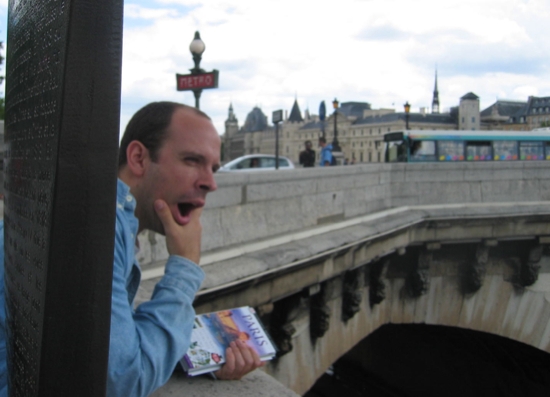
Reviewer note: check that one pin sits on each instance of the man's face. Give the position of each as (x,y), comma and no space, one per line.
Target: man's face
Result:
(321,143)
(308,145)
(183,173)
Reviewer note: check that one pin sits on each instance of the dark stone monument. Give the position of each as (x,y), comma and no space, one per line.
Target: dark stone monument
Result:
(62,123)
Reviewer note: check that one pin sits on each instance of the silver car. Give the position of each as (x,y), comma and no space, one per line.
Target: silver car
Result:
(256,162)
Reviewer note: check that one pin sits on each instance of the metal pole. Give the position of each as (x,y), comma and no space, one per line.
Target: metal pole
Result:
(335,144)
(276,146)
(197,97)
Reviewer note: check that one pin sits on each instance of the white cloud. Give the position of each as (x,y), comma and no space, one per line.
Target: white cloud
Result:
(379,51)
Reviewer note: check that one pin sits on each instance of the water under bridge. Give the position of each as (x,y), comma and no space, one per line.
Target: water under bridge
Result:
(327,256)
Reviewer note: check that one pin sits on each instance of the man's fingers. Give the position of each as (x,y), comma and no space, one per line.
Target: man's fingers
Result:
(182,240)
(240,360)
(164,214)
(196,214)
(247,355)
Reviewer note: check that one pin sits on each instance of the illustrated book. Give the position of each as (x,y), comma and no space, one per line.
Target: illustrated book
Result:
(213,332)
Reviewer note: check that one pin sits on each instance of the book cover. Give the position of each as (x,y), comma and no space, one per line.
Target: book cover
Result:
(213,332)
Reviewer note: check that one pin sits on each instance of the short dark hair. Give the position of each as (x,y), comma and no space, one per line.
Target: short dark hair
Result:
(308,142)
(149,126)
(322,139)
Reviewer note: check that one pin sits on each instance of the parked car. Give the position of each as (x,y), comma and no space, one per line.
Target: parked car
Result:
(256,162)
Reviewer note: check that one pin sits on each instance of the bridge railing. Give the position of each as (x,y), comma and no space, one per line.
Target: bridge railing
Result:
(249,208)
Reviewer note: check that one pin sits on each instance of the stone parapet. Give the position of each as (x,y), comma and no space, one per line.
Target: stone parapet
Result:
(251,207)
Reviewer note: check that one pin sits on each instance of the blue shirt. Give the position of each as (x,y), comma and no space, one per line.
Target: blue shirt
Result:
(326,155)
(146,343)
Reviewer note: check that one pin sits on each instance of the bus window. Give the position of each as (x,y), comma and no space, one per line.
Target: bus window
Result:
(479,151)
(531,151)
(396,152)
(505,150)
(450,150)
(422,151)
(547,147)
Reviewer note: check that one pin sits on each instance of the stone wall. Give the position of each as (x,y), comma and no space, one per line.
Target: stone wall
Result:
(250,207)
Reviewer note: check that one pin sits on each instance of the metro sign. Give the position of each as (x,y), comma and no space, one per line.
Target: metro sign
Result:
(188,82)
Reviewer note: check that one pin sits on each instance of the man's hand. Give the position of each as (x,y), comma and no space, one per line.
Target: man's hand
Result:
(240,359)
(181,240)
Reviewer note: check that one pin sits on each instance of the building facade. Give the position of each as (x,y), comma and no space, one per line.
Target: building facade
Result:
(360,129)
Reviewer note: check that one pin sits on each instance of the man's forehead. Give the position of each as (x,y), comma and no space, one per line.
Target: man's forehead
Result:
(189,121)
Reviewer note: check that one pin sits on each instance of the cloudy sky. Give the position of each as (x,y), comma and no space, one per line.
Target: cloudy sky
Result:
(384,52)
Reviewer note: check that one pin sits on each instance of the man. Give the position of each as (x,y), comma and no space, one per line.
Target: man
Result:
(326,153)
(307,156)
(167,160)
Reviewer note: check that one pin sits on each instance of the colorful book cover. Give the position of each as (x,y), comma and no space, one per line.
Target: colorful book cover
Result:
(213,332)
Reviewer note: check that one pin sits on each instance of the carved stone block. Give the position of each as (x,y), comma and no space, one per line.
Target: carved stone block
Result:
(319,314)
(351,294)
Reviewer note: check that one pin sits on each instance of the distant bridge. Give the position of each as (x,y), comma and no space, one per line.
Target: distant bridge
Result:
(329,255)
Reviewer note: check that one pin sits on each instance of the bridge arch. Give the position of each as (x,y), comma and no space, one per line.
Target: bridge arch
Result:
(319,325)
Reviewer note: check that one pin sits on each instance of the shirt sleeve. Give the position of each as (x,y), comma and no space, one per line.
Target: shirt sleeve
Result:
(147,343)
(326,156)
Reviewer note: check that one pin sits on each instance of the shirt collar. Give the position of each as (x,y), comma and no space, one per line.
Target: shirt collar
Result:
(125,200)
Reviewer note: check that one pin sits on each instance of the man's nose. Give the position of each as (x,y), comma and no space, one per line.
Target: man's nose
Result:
(208,182)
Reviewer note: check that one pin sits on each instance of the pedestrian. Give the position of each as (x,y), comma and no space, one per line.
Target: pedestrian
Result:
(326,153)
(307,156)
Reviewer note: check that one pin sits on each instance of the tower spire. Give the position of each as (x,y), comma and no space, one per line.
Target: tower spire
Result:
(435,101)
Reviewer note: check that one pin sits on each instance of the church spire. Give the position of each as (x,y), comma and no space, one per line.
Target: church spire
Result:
(231,115)
(435,101)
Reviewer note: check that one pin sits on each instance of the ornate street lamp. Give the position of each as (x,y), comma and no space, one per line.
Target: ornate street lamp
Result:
(335,144)
(199,79)
(197,47)
(407,107)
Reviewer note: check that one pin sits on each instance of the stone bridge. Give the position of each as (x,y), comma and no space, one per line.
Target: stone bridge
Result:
(329,255)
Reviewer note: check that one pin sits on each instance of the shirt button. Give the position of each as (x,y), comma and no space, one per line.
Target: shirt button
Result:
(128,198)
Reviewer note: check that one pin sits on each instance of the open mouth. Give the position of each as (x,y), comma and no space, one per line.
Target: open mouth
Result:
(185,208)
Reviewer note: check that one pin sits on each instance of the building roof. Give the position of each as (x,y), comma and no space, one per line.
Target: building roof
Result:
(353,108)
(231,115)
(470,95)
(538,105)
(256,120)
(313,125)
(504,107)
(295,114)
(436,118)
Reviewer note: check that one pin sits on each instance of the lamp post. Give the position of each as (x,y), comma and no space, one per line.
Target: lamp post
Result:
(407,107)
(277,117)
(198,79)
(335,144)
(197,47)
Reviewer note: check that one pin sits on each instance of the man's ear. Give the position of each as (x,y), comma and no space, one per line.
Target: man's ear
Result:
(137,156)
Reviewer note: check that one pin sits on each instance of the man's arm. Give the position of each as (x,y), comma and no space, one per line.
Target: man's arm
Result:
(185,241)
(147,344)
